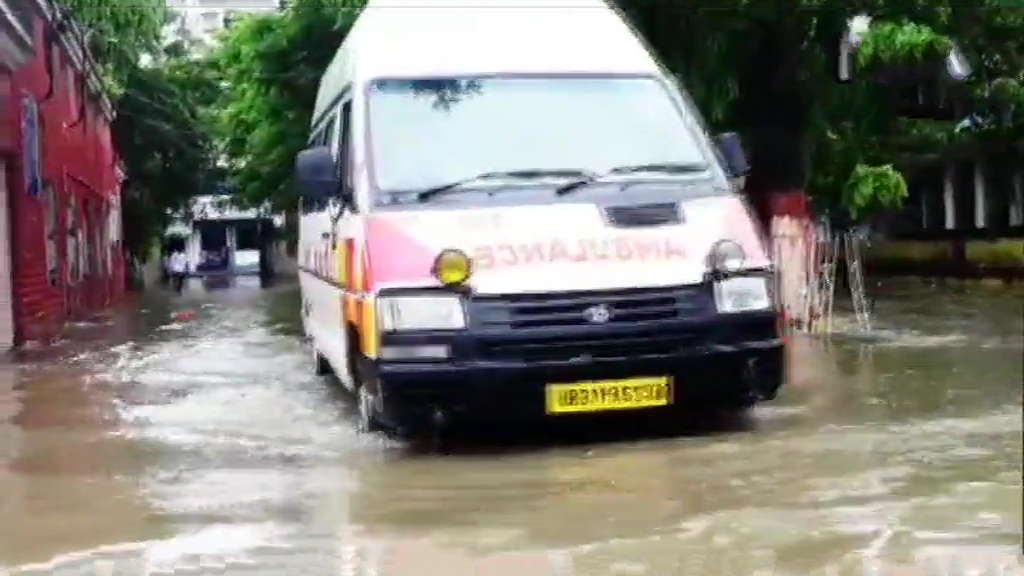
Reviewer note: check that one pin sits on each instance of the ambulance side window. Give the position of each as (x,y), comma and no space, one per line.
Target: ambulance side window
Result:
(328,135)
(345,157)
(308,205)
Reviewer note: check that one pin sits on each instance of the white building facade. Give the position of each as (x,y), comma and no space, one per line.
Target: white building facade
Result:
(201,20)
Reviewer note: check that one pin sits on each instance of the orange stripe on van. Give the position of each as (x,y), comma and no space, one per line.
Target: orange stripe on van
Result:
(341,257)
(350,297)
(369,339)
(370,335)
(356,302)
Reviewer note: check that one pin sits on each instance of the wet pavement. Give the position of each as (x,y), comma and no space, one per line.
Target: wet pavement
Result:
(208,447)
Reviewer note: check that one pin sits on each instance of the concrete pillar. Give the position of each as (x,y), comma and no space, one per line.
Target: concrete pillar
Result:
(193,248)
(980,195)
(232,242)
(948,198)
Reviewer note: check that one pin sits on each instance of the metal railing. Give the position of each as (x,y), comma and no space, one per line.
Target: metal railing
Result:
(811,260)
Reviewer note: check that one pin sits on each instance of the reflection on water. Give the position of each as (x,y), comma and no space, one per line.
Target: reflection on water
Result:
(208,441)
(66,481)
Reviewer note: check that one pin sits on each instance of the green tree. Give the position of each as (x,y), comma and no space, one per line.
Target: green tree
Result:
(119,34)
(162,98)
(768,70)
(162,132)
(270,66)
(764,68)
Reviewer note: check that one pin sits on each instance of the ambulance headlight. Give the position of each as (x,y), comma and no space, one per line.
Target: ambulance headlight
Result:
(726,256)
(452,267)
(742,294)
(420,312)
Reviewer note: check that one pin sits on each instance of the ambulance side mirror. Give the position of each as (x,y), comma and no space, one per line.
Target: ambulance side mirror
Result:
(316,173)
(730,148)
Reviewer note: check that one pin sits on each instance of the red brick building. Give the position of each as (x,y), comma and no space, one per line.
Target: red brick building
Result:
(60,249)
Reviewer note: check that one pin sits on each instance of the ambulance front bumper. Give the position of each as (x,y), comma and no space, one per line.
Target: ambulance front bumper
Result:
(724,360)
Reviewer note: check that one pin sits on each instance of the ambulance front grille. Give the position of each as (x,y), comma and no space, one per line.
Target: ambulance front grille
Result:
(647,343)
(561,349)
(569,309)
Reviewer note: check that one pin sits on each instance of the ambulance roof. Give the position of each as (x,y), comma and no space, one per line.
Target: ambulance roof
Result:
(438,38)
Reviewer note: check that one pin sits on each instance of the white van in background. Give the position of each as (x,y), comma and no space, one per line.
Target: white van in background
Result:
(510,211)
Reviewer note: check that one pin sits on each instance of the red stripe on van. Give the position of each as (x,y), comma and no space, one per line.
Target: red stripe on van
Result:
(742,228)
(397,256)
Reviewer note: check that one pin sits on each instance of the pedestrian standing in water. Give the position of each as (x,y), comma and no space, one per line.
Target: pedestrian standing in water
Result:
(178,264)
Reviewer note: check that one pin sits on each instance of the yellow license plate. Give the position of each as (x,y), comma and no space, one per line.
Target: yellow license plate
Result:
(604,395)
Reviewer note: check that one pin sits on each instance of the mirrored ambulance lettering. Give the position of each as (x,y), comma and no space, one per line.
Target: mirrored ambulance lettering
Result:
(576,251)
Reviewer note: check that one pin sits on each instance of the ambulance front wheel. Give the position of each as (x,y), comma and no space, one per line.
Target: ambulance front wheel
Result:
(369,415)
(368,400)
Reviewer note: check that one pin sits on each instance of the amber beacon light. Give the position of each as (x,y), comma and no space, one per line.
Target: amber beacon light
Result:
(452,267)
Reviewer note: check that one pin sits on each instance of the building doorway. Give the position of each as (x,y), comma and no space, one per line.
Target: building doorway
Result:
(213,246)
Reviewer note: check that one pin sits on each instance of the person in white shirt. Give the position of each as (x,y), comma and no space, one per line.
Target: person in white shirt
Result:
(178,267)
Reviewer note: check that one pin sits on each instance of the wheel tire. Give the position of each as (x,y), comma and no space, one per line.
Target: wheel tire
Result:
(368,422)
(321,367)
(366,402)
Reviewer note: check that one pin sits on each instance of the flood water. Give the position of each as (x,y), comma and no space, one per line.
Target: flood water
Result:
(208,447)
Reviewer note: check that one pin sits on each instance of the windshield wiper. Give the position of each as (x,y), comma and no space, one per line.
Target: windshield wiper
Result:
(663,168)
(428,193)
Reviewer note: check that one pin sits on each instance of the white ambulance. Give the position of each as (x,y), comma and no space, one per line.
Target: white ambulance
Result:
(510,210)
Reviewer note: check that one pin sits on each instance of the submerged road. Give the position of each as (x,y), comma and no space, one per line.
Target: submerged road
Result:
(208,447)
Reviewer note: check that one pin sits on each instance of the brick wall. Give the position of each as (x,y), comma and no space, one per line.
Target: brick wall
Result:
(77,163)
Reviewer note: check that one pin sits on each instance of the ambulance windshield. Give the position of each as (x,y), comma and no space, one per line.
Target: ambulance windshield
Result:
(429,132)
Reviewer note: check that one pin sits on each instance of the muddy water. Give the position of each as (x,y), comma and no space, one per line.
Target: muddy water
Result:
(209,446)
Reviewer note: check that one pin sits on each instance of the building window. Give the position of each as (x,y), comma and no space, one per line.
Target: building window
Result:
(50,231)
(73,251)
(114,225)
(113,230)
(55,66)
(72,87)
(88,241)
(212,21)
